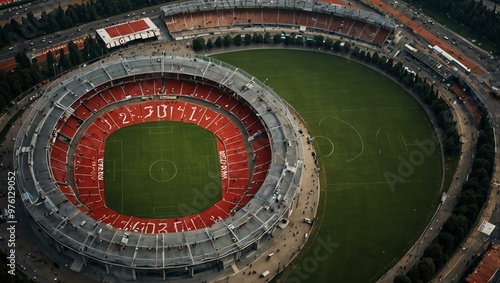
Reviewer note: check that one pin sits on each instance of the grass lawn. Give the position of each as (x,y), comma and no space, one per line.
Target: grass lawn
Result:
(156,169)
(381,169)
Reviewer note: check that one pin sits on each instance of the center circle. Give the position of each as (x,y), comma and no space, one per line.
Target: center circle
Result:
(162,170)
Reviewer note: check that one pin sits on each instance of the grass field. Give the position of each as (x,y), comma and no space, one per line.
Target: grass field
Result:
(381,169)
(154,170)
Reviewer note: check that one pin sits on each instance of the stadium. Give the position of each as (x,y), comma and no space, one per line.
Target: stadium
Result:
(67,160)
(74,119)
(63,171)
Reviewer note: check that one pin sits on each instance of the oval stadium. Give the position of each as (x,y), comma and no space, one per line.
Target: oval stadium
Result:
(154,163)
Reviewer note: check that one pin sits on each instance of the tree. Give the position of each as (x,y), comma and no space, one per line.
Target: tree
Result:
(75,56)
(318,40)
(51,61)
(267,37)
(456,225)
(467,197)
(227,40)
(248,39)
(257,38)
(346,48)
(435,252)
(23,60)
(447,242)
(356,52)
(237,40)
(64,63)
(368,57)
(26,78)
(5,91)
(336,47)
(198,44)
(3,103)
(277,38)
(401,279)
(426,269)
(210,45)
(375,58)
(287,41)
(328,44)
(218,42)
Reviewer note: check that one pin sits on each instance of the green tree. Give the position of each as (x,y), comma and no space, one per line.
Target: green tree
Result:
(426,269)
(248,39)
(328,44)
(277,38)
(267,37)
(22,60)
(368,57)
(336,47)
(257,38)
(375,58)
(447,242)
(356,52)
(435,252)
(3,102)
(210,45)
(457,225)
(401,279)
(198,44)
(75,55)
(218,42)
(467,197)
(64,63)
(227,40)
(318,40)
(5,91)
(237,40)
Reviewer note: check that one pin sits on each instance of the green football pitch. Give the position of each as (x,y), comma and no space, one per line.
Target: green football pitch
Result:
(159,170)
(381,167)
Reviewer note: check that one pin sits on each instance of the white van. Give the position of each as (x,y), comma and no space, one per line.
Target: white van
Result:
(445,37)
(264,274)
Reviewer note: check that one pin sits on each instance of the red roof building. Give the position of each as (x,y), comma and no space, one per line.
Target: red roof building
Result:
(487,269)
(121,34)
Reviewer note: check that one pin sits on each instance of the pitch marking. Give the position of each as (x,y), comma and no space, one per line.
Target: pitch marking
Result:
(162,169)
(359,135)
(333,147)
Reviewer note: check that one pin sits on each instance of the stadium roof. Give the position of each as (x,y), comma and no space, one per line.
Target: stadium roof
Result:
(487,268)
(121,34)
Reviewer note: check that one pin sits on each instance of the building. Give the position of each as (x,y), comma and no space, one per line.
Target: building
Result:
(487,269)
(121,34)
(159,249)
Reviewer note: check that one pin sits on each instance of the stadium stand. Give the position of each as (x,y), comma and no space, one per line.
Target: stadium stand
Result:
(64,137)
(192,18)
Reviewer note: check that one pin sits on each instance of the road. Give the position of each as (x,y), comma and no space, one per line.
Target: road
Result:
(463,45)
(42,42)
(35,7)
